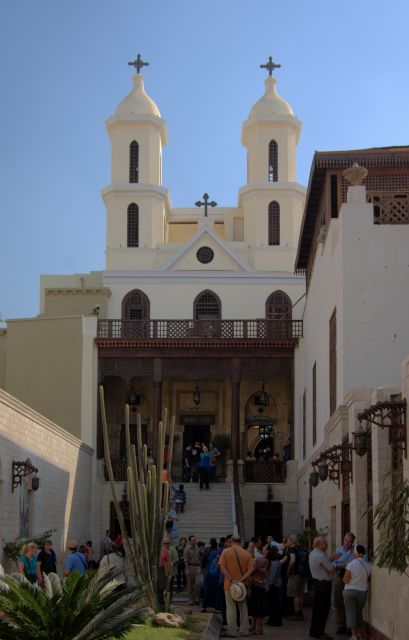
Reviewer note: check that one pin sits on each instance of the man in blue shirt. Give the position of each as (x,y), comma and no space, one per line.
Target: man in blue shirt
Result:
(76,561)
(340,559)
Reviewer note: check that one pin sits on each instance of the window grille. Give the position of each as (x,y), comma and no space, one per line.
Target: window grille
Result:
(333,363)
(314,404)
(273,223)
(273,161)
(207,305)
(133,225)
(134,162)
(135,306)
(278,306)
(304,424)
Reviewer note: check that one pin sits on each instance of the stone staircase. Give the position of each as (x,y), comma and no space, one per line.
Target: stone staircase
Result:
(208,514)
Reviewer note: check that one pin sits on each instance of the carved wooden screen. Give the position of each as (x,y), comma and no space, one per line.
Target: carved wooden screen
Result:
(278,306)
(135,306)
(333,363)
(134,162)
(207,305)
(273,223)
(133,225)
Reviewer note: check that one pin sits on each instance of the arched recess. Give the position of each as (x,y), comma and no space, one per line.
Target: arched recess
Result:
(278,306)
(273,161)
(134,161)
(136,306)
(273,223)
(132,225)
(279,309)
(207,305)
(135,315)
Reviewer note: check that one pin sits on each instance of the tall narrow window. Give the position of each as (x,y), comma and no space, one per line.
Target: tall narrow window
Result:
(314,404)
(273,161)
(333,363)
(134,162)
(273,223)
(207,305)
(304,424)
(133,225)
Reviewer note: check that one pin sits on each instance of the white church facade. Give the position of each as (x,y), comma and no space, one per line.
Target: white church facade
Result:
(269,325)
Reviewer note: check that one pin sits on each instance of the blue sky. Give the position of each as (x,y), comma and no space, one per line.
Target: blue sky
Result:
(63,69)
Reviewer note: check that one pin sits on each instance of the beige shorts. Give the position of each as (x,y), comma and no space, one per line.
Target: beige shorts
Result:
(295,586)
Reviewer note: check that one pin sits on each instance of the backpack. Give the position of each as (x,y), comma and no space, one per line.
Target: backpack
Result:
(303,562)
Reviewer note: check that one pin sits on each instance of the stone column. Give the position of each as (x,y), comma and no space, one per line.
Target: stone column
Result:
(235,408)
(157,403)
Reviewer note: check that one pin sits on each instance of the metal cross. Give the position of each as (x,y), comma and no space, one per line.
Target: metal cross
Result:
(138,63)
(206,203)
(270,66)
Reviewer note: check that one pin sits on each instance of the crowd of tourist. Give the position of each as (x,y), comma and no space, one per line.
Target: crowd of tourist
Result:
(200,464)
(252,583)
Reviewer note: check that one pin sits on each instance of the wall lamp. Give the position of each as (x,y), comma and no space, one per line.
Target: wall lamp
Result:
(196,396)
(333,463)
(389,415)
(22,469)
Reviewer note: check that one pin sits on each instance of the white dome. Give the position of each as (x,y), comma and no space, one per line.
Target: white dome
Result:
(271,104)
(137,103)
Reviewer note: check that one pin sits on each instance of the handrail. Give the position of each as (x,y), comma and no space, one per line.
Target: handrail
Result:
(261,328)
(238,500)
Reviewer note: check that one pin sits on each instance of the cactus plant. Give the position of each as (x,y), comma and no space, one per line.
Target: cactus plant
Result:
(148,500)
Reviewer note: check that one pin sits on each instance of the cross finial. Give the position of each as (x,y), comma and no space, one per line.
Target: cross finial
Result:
(138,63)
(270,66)
(206,203)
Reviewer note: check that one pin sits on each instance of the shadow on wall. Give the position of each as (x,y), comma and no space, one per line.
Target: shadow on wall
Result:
(62,500)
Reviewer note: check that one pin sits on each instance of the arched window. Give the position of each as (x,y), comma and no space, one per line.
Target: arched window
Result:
(207,305)
(133,225)
(135,306)
(134,162)
(272,161)
(273,223)
(278,306)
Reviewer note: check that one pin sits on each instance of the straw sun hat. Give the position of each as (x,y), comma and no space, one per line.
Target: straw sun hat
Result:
(238,591)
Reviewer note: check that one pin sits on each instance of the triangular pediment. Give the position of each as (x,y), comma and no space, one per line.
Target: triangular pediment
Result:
(206,245)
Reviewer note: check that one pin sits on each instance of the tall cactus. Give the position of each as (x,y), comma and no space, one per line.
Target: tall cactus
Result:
(148,500)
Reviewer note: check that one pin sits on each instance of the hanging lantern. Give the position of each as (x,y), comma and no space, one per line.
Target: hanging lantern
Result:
(322,470)
(361,442)
(314,479)
(265,431)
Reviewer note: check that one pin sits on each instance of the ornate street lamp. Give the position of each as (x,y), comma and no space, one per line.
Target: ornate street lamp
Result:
(314,479)
(360,441)
(265,431)
(322,470)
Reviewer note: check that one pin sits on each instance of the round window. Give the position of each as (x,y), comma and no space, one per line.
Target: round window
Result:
(205,255)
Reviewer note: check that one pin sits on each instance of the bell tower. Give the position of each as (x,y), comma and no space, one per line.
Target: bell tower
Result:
(271,200)
(136,202)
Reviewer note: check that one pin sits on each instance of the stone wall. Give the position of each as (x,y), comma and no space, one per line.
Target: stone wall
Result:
(63,500)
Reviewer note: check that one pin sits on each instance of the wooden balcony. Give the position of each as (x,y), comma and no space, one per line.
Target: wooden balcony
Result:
(119,468)
(272,471)
(260,332)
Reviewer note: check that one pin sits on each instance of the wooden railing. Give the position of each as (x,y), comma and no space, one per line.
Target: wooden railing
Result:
(224,329)
(272,471)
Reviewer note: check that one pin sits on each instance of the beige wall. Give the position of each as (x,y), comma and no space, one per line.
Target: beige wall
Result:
(63,500)
(44,366)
